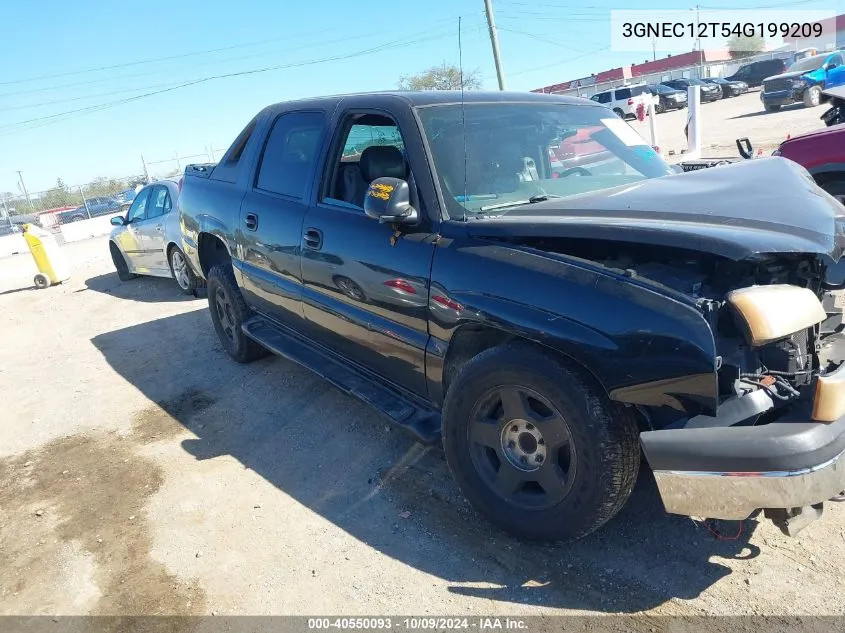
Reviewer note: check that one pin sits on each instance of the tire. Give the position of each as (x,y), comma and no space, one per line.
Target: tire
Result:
(659,108)
(812,96)
(78,218)
(228,313)
(41,281)
(619,112)
(836,188)
(592,473)
(120,264)
(770,107)
(182,273)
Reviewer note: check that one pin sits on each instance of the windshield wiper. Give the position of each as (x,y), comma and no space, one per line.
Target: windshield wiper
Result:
(540,197)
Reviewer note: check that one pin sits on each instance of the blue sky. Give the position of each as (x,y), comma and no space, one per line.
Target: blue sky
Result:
(61,118)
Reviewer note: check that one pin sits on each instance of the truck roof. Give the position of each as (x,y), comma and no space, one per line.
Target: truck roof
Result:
(434,97)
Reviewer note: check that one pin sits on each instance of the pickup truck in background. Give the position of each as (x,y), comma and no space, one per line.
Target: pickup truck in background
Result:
(547,324)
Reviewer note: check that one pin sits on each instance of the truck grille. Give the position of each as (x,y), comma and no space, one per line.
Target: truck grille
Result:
(776,85)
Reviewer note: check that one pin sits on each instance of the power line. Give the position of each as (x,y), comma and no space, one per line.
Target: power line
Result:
(54,118)
(197,65)
(562,61)
(540,38)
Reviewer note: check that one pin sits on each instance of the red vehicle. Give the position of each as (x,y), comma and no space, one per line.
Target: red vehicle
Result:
(822,152)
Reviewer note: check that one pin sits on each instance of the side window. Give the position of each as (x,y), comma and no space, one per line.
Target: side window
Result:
(371,147)
(158,202)
(291,153)
(603,97)
(835,60)
(138,210)
(623,93)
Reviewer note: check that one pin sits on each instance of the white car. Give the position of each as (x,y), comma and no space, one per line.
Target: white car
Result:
(625,99)
(148,240)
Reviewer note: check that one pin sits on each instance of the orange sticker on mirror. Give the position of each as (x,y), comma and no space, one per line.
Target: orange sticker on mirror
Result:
(380,191)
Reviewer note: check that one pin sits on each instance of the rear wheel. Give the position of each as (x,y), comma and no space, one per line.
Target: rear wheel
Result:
(619,112)
(535,444)
(228,313)
(120,264)
(181,271)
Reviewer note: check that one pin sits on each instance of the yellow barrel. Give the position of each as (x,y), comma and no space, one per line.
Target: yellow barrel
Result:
(49,259)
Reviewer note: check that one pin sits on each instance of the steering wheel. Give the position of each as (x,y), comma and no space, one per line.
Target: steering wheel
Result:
(574,170)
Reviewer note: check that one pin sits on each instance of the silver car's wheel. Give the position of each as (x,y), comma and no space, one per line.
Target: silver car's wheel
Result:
(182,273)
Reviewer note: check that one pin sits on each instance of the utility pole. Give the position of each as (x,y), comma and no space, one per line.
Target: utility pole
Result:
(697,8)
(146,171)
(654,49)
(494,40)
(25,192)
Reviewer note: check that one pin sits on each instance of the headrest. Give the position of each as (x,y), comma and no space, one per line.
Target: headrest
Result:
(381,161)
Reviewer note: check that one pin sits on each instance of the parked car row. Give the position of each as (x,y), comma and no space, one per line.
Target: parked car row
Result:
(94,207)
(669,95)
(505,277)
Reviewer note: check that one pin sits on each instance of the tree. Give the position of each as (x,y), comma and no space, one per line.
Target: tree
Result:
(442,77)
(741,46)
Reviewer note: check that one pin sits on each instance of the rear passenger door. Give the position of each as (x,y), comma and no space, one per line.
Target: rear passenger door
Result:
(271,215)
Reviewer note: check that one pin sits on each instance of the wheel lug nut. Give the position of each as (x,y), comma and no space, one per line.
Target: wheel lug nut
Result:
(529,427)
(515,428)
(541,441)
(511,444)
(538,459)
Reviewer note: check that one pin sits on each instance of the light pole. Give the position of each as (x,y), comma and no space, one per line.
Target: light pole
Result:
(494,41)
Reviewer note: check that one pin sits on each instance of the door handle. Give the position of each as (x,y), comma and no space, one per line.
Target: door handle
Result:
(251,221)
(313,239)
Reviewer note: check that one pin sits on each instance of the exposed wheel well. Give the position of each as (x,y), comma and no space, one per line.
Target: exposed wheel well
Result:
(828,176)
(470,340)
(212,251)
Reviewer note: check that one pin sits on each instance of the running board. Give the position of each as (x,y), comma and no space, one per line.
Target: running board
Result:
(422,422)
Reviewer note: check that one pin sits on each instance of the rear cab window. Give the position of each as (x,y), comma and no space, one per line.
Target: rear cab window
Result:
(291,153)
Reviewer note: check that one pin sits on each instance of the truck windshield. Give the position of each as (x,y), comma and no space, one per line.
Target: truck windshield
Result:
(491,156)
(807,64)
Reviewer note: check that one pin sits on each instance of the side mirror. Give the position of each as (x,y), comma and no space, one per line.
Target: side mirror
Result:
(388,200)
(117,221)
(831,66)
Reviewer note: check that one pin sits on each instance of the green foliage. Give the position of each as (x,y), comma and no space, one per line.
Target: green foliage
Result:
(740,46)
(442,77)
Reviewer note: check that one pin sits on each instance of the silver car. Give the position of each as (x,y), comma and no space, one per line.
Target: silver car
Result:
(148,240)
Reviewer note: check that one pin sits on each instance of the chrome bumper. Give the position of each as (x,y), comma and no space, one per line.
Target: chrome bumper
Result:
(735,495)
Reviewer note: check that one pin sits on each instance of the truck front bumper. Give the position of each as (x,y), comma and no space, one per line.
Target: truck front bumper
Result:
(782,97)
(729,472)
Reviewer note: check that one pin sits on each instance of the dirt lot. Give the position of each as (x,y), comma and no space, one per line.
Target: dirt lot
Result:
(728,119)
(145,473)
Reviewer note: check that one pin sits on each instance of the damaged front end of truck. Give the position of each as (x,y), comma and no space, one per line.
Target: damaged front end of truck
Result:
(765,430)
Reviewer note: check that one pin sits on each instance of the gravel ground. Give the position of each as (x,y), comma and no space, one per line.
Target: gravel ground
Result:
(726,120)
(145,473)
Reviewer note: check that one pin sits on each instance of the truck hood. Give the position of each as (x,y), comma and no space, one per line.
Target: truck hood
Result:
(767,205)
(792,75)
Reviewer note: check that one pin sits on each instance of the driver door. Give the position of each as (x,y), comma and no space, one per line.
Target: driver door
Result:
(129,239)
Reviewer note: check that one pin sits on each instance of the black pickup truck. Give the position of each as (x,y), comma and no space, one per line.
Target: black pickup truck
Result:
(548,323)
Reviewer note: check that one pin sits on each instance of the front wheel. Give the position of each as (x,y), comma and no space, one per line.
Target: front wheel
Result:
(812,96)
(619,112)
(120,264)
(771,107)
(536,446)
(228,313)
